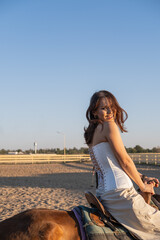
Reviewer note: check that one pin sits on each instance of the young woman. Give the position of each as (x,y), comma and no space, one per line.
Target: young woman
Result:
(115,169)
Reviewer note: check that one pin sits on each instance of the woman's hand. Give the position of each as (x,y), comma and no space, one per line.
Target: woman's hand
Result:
(153,180)
(150,180)
(148,187)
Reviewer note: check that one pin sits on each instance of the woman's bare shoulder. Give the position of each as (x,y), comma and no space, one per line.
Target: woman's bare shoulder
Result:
(109,124)
(110,128)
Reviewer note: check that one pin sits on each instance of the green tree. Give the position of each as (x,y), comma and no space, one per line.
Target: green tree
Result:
(139,149)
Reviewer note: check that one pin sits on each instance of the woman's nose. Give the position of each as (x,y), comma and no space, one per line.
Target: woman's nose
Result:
(109,110)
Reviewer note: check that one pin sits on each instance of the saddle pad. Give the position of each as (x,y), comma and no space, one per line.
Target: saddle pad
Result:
(78,215)
(94,232)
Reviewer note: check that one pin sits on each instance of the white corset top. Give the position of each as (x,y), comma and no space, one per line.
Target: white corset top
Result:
(110,174)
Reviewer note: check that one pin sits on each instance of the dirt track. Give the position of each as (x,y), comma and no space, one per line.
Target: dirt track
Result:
(56,186)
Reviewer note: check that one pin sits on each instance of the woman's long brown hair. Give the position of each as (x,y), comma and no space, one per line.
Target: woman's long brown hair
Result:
(94,121)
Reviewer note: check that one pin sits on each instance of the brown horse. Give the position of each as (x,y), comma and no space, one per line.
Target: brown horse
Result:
(42,224)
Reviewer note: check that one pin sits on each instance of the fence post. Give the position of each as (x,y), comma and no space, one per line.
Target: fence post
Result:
(64,158)
(139,159)
(155,159)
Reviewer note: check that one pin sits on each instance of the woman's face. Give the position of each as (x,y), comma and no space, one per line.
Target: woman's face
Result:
(104,110)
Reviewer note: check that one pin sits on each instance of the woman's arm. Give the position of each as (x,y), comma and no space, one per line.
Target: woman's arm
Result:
(113,136)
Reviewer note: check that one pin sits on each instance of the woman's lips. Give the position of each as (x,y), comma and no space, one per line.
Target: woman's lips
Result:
(109,117)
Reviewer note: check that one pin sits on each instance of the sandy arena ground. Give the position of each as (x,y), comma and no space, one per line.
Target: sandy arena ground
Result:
(54,186)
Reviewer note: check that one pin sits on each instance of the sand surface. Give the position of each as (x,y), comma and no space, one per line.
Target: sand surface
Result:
(52,186)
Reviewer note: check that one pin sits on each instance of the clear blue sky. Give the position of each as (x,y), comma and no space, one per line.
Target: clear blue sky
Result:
(55,54)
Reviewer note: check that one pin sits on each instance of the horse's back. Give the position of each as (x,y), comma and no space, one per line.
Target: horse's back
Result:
(40,224)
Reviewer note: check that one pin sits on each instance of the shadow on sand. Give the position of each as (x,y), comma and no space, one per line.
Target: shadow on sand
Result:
(57,180)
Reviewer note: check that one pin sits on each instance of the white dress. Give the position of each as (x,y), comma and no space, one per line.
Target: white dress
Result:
(117,194)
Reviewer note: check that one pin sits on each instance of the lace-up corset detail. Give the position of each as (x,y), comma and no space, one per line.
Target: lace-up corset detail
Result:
(95,163)
(109,172)
(96,168)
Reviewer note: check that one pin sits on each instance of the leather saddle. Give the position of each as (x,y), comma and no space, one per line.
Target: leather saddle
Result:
(102,217)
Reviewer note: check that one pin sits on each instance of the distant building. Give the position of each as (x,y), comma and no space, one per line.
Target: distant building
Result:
(15,153)
(12,153)
(20,153)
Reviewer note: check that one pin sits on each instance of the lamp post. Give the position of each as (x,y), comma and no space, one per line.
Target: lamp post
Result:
(64,141)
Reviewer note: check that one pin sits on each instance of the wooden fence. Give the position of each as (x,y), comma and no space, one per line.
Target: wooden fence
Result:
(147,158)
(41,158)
(139,158)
